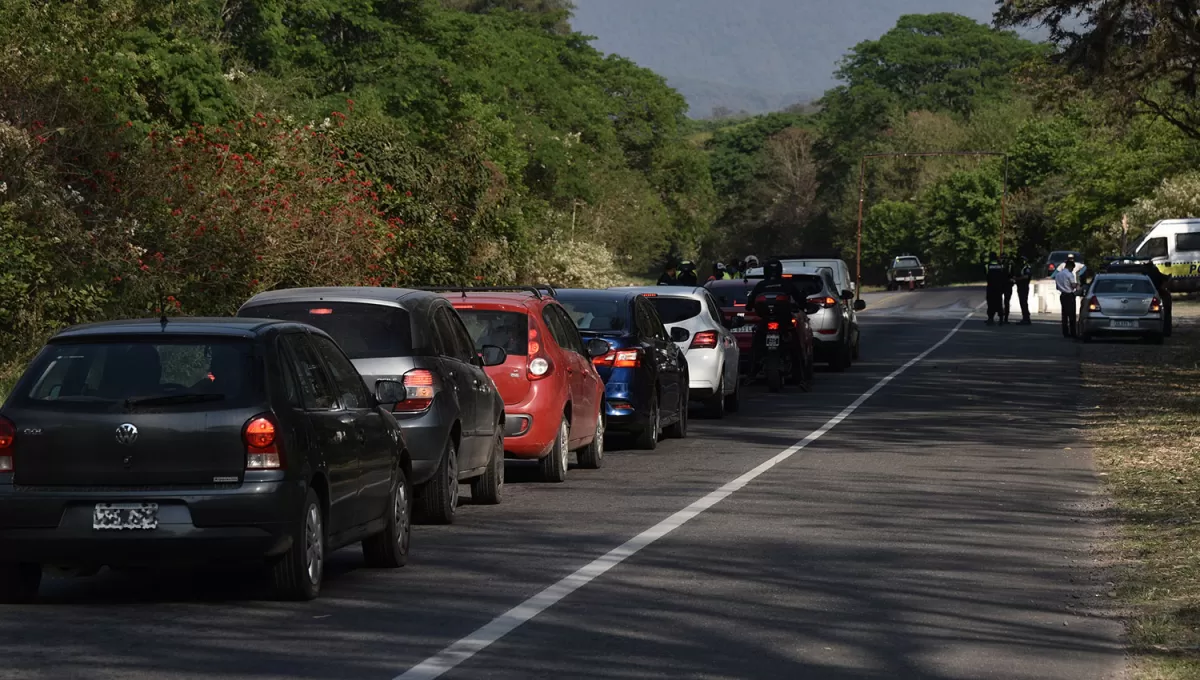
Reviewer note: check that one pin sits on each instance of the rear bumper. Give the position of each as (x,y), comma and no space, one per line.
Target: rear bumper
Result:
(1093,325)
(426,435)
(531,425)
(252,522)
(704,371)
(625,406)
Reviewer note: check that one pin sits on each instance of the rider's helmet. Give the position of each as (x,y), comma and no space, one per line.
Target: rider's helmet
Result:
(751,262)
(773,269)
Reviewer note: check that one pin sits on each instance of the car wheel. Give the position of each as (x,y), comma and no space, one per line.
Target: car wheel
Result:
(19,582)
(647,439)
(592,455)
(297,575)
(488,488)
(857,345)
(733,403)
(554,464)
(388,549)
(678,430)
(714,406)
(438,497)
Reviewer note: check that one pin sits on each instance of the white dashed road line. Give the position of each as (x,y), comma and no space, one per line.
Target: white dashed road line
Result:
(502,625)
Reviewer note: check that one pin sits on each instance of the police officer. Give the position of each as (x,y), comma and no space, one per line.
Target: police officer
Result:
(997,281)
(1010,266)
(1023,276)
(670,277)
(719,273)
(687,274)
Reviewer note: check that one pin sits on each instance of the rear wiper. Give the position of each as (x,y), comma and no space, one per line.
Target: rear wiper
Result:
(169,399)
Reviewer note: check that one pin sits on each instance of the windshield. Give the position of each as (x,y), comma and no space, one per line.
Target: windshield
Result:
(509,330)
(676,309)
(1105,286)
(601,316)
(907,262)
(731,295)
(364,331)
(132,372)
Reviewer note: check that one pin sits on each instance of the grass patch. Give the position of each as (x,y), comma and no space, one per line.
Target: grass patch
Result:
(1147,442)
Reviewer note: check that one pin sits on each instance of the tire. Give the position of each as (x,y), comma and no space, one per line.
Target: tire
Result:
(857,344)
(679,429)
(438,498)
(733,402)
(554,464)
(388,549)
(647,439)
(298,574)
(488,488)
(774,373)
(19,582)
(714,406)
(591,457)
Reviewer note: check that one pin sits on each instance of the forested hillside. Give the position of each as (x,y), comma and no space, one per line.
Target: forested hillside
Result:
(1081,154)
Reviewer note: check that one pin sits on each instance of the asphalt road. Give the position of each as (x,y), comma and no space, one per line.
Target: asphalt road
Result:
(942,529)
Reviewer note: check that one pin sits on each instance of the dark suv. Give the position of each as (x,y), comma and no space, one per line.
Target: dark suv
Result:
(451,412)
(197,440)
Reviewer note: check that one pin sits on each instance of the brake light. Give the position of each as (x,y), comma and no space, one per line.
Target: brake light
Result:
(627,358)
(262,448)
(1156,305)
(321,311)
(1093,304)
(704,340)
(825,301)
(419,391)
(539,365)
(772,325)
(8,435)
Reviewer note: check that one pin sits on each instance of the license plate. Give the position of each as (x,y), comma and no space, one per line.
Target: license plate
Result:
(1123,324)
(125,517)
(772,340)
(744,329)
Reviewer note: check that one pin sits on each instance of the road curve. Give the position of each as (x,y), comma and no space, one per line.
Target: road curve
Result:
(941,529)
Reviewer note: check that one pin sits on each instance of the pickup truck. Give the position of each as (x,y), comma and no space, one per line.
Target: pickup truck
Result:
(906,270)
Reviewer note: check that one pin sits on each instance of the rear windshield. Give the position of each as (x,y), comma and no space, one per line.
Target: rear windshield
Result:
(216,371)
(364,331)
(809,285)
(676,309)
(907,262)
(602,316)
(730,295)
(509,330)
(1061,256)
(1123,286)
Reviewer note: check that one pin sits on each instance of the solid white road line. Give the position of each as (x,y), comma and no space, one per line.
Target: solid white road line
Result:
(510,620)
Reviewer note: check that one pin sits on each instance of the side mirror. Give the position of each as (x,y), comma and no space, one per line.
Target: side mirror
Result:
(847,295)
(811,308)
(597,348)
(680,334)
(390,391)
(860,305)
(493,355)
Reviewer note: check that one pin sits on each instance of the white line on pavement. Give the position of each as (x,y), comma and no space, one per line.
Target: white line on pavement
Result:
(510,620)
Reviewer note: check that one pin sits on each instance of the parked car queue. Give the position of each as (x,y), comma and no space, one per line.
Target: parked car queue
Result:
(320,418)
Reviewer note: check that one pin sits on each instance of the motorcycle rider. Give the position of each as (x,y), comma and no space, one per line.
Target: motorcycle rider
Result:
(687,274)
(719,273)
(772,282)
(670,275)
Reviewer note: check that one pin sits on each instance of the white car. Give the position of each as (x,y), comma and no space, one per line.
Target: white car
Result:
(711,348)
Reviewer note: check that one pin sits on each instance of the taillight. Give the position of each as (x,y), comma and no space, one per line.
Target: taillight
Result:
(8,435)
(1155,305)
(419,390)
(825,301)
(539,366)
(772,325)
(1093,304)
(627,358)
(704,340)
(262,447)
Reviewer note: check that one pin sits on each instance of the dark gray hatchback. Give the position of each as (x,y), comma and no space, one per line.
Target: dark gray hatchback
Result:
(197,440)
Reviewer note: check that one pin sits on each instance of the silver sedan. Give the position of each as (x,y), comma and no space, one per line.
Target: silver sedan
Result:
(1122,305)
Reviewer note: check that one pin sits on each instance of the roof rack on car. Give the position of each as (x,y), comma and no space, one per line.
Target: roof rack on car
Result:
(535,291)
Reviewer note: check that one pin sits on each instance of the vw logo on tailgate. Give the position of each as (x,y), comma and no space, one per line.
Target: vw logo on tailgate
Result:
(127,434)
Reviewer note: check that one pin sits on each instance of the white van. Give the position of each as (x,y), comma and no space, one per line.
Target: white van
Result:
(1174,247)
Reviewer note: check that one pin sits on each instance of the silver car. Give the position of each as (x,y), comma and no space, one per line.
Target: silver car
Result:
(711,348)
(835,325)
(1121,305)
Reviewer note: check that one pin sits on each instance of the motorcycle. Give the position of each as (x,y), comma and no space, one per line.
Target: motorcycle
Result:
(778,346)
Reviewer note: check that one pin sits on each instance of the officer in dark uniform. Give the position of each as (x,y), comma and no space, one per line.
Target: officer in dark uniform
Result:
(1010,268)
(997,281)
(1023,277)
(669,277)
(687,274)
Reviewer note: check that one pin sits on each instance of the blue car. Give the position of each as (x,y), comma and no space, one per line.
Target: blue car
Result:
(645,373)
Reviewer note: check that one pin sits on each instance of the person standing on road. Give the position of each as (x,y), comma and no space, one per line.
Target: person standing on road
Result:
(1010,265)
(1023,278)
(997,279)
(1068,286)
(670,277)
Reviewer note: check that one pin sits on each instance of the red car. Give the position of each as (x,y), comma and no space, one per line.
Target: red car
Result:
(553,397)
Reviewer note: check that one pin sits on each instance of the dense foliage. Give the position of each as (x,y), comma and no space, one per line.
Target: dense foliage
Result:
(190,154)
